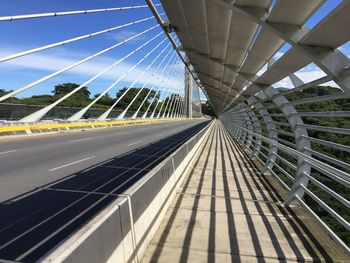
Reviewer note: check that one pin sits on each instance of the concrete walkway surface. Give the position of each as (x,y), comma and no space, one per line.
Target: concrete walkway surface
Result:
(227,211)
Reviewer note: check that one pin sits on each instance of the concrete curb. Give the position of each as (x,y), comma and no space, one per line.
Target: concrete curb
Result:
(45,128)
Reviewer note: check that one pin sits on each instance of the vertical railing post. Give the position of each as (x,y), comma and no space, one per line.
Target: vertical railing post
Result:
(257,127)
(271,130)
(301,141)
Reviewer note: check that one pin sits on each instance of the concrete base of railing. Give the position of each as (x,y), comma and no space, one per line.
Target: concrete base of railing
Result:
(124,229)
(13,128)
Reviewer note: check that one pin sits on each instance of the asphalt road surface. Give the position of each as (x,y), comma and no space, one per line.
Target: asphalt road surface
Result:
(28,162)
(71,178)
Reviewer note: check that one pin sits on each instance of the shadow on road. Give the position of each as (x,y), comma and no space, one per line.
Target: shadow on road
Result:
(34,223)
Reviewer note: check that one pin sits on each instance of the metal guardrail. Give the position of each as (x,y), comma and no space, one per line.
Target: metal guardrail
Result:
(308,151)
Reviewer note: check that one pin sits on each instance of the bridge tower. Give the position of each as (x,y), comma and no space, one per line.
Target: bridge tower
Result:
(188,93)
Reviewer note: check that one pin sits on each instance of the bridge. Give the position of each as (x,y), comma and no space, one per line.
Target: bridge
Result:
(175,131)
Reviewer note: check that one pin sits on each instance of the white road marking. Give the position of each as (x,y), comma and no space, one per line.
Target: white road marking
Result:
(160,134)
(134,143)
(68,164)
(81,140)
(12,151)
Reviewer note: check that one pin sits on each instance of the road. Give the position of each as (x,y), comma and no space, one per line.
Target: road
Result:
(30,162)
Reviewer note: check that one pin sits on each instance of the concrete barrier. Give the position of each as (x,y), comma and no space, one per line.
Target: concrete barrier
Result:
(123,230)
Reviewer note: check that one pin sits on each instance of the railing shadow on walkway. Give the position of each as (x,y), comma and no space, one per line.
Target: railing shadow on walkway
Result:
(252,187)
(35,222)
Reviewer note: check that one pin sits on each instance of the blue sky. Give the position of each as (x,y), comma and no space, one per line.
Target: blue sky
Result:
(22,35)
(26,34)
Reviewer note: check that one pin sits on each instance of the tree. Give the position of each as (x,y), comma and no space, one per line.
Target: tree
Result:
(130,95)
(105,100)
(207,109)
(79,99)
(3,92)
(63,89)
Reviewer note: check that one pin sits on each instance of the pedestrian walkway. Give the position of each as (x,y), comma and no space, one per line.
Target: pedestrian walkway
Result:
(228,212)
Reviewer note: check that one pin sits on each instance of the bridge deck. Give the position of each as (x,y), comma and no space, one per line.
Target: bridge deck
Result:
(227,211)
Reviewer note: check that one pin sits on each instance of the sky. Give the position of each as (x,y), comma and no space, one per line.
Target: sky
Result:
(22,35)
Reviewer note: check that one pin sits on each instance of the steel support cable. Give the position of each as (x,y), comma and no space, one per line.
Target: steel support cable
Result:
(159,91)
(178,104)
(176,108)
(104,115)
(158,101)
(160,110)
(71,40)
(166,93)
(36,116)
(180,109)
(173,99)
(171,59)
(152,6)
(174,74)
(173,102)
(34,83)
(167,111)
(78,115)
(170,99)
(150,91)
(122,115)
(65,13)
(178,101)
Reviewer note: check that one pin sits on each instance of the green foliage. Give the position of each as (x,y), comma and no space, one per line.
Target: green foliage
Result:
(105,100)
(3,92)
(130,95)
(207,109)
(65,88)
(82,98)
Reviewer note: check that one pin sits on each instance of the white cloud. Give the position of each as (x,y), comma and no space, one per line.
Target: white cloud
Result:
(125,34)
(307,74)
(64,58)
